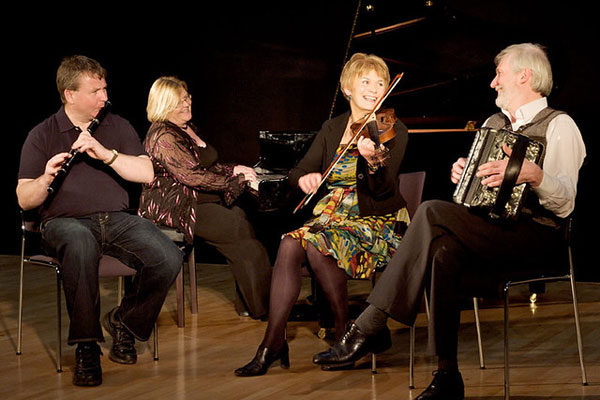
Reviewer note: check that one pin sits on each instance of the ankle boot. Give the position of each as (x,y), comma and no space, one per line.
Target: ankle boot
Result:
(446,385)
(263,359)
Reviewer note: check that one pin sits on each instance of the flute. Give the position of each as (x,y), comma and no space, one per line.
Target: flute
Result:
(66,166)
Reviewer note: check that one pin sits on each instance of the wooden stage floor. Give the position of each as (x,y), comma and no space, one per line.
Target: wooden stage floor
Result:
(197,362)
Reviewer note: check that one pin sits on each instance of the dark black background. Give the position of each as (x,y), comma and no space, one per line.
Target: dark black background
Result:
(274,66)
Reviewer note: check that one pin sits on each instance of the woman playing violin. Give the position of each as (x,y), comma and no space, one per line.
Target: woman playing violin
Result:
(357,222)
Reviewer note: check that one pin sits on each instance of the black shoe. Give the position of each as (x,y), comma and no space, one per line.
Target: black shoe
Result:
(337,367)
(354,345)
(446,385)
(87,365)
(263,359)
(123,347)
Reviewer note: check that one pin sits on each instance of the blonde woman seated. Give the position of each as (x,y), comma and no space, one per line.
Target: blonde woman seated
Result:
(355,223)
(195,193)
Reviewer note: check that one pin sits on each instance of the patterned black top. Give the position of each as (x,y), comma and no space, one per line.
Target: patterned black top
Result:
(185,174)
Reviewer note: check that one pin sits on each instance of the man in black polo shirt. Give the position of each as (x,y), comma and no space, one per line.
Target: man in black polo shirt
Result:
(84,218)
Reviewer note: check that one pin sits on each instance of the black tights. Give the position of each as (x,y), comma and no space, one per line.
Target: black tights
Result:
(287,281)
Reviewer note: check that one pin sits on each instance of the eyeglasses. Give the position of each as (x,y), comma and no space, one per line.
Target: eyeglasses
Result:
(185,99)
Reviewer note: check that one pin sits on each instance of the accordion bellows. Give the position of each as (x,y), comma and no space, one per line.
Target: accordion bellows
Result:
(505,201)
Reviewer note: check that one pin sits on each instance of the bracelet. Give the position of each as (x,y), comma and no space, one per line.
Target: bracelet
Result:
(114,157)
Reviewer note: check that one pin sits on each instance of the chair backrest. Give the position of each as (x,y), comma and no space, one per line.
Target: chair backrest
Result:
(30,234)
(411,187)
(30,221)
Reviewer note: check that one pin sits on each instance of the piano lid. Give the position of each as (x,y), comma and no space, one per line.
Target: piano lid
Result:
(280,151)
(446,49)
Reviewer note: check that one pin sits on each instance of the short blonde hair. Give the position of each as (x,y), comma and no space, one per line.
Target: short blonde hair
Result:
(361,63)
(532,56)
(164,97)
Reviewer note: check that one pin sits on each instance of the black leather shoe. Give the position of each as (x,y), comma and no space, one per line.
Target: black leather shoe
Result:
(354,345)
(337,367)
(446,385)
(123,347)
(263,359)
(87,365)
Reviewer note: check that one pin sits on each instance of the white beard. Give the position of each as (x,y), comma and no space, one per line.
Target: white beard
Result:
(502,101)
(506,95)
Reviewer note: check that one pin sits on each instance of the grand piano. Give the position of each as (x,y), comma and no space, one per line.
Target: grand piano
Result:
(279,152)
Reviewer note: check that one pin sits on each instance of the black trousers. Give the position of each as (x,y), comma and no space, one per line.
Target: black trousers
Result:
(444,246)
(232,235)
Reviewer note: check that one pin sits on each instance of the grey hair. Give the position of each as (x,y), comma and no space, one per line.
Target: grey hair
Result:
(534,57)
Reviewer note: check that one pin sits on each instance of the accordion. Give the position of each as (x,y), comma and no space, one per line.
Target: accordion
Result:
(505,201)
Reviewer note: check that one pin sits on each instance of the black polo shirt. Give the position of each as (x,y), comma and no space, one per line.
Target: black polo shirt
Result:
(90,186)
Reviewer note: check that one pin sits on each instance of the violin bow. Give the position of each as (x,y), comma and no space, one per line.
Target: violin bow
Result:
(327,172)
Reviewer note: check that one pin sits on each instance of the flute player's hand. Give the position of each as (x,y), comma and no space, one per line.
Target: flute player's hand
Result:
(53,165)
(86,143)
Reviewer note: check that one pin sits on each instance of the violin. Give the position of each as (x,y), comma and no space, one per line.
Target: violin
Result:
(380,130)
(385,121)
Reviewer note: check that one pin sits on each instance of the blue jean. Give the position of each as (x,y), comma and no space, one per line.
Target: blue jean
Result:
(78,243)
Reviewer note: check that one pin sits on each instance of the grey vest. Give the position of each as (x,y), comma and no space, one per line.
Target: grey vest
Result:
(537,130)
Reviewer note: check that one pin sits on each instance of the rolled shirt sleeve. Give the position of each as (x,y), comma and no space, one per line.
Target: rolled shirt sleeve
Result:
(565,153)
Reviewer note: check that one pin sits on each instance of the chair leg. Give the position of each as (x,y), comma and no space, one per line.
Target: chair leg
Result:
(20,321)
(411,345)
(156,341)
(120,289)
(506,360)
(411,363)
(578,328)
(193,283)
(426,304)
(59,324)
(478,328)
(179,288)
(373,355)
(373,363)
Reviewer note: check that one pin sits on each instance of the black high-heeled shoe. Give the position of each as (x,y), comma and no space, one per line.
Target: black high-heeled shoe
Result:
(263,359)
